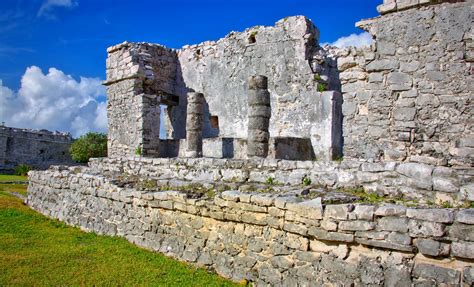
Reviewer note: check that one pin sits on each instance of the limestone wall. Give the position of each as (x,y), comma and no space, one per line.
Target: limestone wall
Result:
(39,149)
(153,75)
(409,96)
(135,90)
(270,240)
(282,53)
(422,182)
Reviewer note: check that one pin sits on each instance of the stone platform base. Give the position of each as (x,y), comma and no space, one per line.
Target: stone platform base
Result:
(269,239)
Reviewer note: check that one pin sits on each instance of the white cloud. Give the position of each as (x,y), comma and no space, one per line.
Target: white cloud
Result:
(357,40)
(48,5)
(54,101)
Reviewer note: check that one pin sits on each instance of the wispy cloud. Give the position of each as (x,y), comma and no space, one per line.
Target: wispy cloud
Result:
(48,6)
(355,40)
(8,51)
(10,19)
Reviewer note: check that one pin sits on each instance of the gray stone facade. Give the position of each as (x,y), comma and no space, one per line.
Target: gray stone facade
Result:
(406,98)
(411,181)
(409,96)
(267,239)
(38,149)
(400,112)
(141,76)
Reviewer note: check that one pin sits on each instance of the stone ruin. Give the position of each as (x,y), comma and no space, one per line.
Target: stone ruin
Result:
(36,148)
(287,163)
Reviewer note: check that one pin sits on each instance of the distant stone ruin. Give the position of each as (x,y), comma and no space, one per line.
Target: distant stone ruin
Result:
(36,148)
(290,164)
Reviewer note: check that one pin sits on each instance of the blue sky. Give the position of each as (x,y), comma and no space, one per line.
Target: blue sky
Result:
(72,36)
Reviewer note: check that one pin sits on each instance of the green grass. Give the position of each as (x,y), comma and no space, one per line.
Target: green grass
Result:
(7,177)
(18,188)
(36,251)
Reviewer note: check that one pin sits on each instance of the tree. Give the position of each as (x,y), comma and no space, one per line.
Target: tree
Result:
(89,145)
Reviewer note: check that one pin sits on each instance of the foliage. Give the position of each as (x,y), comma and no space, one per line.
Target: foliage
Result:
(364,196)
(148,184)
(446,204)
(322,87)
(37,251)
(88,146)
(270,180)
(22,169)
(138,151)
(339,158)
(306,181)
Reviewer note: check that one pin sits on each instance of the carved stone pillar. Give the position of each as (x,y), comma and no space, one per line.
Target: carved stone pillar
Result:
(194,124)
(259,116)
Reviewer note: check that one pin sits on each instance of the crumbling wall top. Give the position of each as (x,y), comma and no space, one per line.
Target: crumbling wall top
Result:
(390,6)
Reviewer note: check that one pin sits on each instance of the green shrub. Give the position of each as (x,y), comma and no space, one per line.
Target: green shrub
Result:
(22,169)
(322,87)
(89,145)
(270,180)
(306,181)
(138,151)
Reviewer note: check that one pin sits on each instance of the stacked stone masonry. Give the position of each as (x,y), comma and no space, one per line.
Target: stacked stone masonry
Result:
(36,148)
(259,117)
(399,111)
(194,121)
(150,75)
(270,240)
(408,97)
(409,180)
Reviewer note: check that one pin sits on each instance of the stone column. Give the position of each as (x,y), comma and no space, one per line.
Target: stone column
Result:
(194,124)
(259,116)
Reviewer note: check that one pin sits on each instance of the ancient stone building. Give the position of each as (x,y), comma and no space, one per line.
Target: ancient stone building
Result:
(141,76)
(38,149)
(290,164)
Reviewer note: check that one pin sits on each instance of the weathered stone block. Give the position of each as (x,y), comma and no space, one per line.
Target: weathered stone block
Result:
(399,224)
(281,262)
(399,238)
(384,244)
(432,247)
(312,209)
(404,114)
(467,191)
(425,229)
(433,215)
(364,212)
(463,249)
(390,210)
(461,231)
(356,225)
(380,65)
(468,276)
(465,216)
(436,273)
(445,184)
(420,173)
(231,195)
(340,211)
(329,225)
(295,228)
(330,236)
(378,235)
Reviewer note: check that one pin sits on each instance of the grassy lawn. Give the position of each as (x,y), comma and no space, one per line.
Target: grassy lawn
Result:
(7,177)
(18,188)
(36,251)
